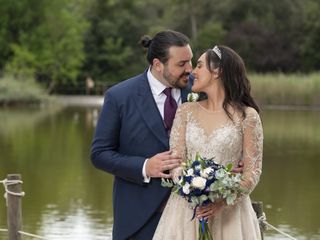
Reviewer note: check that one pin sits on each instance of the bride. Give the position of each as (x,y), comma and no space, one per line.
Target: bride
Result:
(225,126)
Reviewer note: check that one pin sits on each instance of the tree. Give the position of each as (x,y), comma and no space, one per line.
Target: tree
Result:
(64,41)
(267,34)
(311,32)
(49,42)
(16,18)
(111,43)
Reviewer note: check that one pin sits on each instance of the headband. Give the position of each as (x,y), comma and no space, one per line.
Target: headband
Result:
(217,51)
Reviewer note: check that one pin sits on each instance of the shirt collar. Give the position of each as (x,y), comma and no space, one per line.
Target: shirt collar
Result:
(156,86)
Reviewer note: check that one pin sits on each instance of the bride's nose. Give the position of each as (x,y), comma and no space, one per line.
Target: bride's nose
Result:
(194,71)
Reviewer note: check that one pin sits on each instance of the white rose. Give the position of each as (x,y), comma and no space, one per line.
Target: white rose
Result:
(205,172)
(199,182)
(186,188)
(190,172)
(193,97)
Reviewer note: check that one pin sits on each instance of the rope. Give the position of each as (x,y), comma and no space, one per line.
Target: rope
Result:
(263,221)
(31,235)
(25,233)
(7,183)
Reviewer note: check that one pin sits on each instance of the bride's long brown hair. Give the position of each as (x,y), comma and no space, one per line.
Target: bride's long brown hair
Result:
(234,79)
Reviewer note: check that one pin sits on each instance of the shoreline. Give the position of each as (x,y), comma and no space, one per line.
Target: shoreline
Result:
(80,100)
(94,100)
(97,101)
(290,107)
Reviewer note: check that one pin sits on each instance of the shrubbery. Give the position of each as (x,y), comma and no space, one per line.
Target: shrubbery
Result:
(27,91)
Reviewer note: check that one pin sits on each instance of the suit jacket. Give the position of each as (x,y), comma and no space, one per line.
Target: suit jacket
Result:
(129,130)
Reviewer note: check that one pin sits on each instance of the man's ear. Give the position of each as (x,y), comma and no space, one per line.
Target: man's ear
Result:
(157,65)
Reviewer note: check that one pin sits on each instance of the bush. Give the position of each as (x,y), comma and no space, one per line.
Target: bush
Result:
(13,91)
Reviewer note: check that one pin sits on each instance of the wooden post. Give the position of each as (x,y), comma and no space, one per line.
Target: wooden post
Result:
(14,216)
(258,208)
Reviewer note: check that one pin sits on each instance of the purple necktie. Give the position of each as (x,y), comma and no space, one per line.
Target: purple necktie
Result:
(170,108)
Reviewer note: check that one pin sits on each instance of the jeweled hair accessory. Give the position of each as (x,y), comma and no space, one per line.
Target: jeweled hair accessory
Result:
(217,51)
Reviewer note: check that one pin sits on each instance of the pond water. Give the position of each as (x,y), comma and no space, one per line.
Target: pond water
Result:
(67,198)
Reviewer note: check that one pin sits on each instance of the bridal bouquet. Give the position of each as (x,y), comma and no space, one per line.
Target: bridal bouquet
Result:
(204,181)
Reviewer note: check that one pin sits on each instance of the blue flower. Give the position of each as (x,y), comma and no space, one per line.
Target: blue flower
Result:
(197,192)
(188,179)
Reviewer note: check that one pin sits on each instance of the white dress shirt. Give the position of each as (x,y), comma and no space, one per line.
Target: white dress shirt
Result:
(157,92)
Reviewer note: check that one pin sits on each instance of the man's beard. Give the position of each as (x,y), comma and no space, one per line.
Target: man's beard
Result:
(175,82)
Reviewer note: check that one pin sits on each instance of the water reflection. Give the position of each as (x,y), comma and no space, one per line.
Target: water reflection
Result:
(63,190)
(82,223)
(66,198)
(289,181)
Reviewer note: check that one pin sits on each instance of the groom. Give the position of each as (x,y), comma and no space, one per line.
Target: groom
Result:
(131,139)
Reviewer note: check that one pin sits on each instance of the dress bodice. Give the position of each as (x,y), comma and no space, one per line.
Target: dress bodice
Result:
(215,135)
(223,143)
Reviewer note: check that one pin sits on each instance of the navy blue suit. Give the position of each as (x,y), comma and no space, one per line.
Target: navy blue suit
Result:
(129,130)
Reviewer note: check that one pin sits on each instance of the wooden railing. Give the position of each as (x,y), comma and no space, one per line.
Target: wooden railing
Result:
(14,214)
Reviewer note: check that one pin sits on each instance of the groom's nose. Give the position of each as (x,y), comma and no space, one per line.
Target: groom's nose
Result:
(188,68)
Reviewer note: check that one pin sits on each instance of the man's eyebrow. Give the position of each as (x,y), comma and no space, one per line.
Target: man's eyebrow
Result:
(182,61)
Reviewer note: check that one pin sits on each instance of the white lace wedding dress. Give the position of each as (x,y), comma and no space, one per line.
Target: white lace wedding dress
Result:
(213,134)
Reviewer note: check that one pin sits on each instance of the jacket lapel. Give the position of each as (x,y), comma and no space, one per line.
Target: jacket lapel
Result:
(185,91)
(184,94)
(149,111)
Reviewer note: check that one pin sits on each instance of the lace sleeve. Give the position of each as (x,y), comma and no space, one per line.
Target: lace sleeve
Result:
(252,150)
(178,137)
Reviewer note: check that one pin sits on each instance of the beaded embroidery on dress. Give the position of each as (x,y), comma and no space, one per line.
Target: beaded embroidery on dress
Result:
(213,134)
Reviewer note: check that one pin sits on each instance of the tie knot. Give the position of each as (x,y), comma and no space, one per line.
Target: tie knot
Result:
(167,91)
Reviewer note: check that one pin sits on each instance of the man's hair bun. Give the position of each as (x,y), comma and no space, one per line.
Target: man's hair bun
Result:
(145,41)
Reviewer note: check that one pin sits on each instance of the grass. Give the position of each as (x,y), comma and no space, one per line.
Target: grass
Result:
(268,89)
(286,89)
(16,92)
